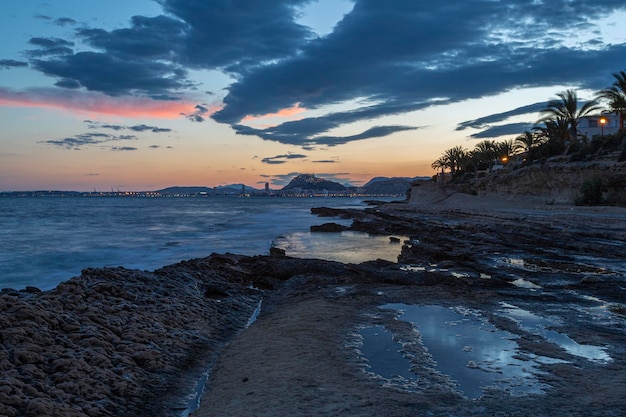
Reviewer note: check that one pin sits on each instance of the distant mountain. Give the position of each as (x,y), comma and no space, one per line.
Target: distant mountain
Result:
(237,188)
(311,182)
(222,189)
(185,190)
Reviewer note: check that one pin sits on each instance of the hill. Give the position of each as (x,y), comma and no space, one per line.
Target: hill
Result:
(220,190)
(310,182)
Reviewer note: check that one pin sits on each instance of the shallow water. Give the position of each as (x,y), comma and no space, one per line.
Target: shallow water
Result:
(538,325)
(347,246)
(467,348)
(384,354)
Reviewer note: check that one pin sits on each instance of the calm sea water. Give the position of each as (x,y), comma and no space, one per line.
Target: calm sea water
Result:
(47,240)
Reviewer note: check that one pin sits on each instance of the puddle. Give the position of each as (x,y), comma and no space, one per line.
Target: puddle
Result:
(538,325)
(346,247)
(384,354)
(468,349)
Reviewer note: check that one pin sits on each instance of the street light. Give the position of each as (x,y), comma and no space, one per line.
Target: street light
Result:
(602,123)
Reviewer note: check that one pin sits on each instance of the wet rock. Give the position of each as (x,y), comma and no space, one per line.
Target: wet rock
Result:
(329,228)
(274,251)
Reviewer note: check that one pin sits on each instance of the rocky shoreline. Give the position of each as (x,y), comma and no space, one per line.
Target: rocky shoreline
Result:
(116,342)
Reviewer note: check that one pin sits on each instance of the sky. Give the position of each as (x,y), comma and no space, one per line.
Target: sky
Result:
(145,94)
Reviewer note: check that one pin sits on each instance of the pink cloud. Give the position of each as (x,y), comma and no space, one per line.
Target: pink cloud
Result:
(96,103)
(288,112)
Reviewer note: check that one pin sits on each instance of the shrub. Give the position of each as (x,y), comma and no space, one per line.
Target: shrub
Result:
(622,155)
(590,193)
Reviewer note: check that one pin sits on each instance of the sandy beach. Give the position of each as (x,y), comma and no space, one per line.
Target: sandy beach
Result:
(545,282)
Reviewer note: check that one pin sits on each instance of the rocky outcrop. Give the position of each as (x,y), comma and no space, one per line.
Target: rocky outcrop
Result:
(329,228)
(115,342)
(558,183)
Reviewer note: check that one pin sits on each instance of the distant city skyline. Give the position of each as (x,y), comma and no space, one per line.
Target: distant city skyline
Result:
(147,94)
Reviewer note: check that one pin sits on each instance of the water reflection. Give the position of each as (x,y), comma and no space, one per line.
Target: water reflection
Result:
(384,354)
(347,246)
(470,350)
(537,325)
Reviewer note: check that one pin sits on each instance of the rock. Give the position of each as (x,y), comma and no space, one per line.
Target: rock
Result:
(274,251)
(329,228)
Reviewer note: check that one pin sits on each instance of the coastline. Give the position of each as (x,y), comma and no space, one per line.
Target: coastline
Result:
(150,335)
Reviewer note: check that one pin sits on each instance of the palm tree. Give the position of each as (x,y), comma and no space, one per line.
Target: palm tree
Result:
(505,148)
(455,158)
(555,131)
(526,141)
(567,109)
(440,163)
(484,153)
(616,95)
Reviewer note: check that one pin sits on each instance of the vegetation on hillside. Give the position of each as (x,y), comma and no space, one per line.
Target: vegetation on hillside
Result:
(554,134)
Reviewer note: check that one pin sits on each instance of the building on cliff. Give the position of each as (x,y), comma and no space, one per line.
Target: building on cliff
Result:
(599,125)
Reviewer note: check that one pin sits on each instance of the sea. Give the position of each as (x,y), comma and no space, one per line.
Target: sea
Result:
(45,240)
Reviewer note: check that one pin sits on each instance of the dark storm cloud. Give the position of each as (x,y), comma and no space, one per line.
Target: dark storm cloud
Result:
(148,37)
(50,46)
(115,75)
(11,63)
(238,34)
(503,130)
(374,132)
(281,159)
(286,134)
(499,117)
(396,56)
(405,53)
